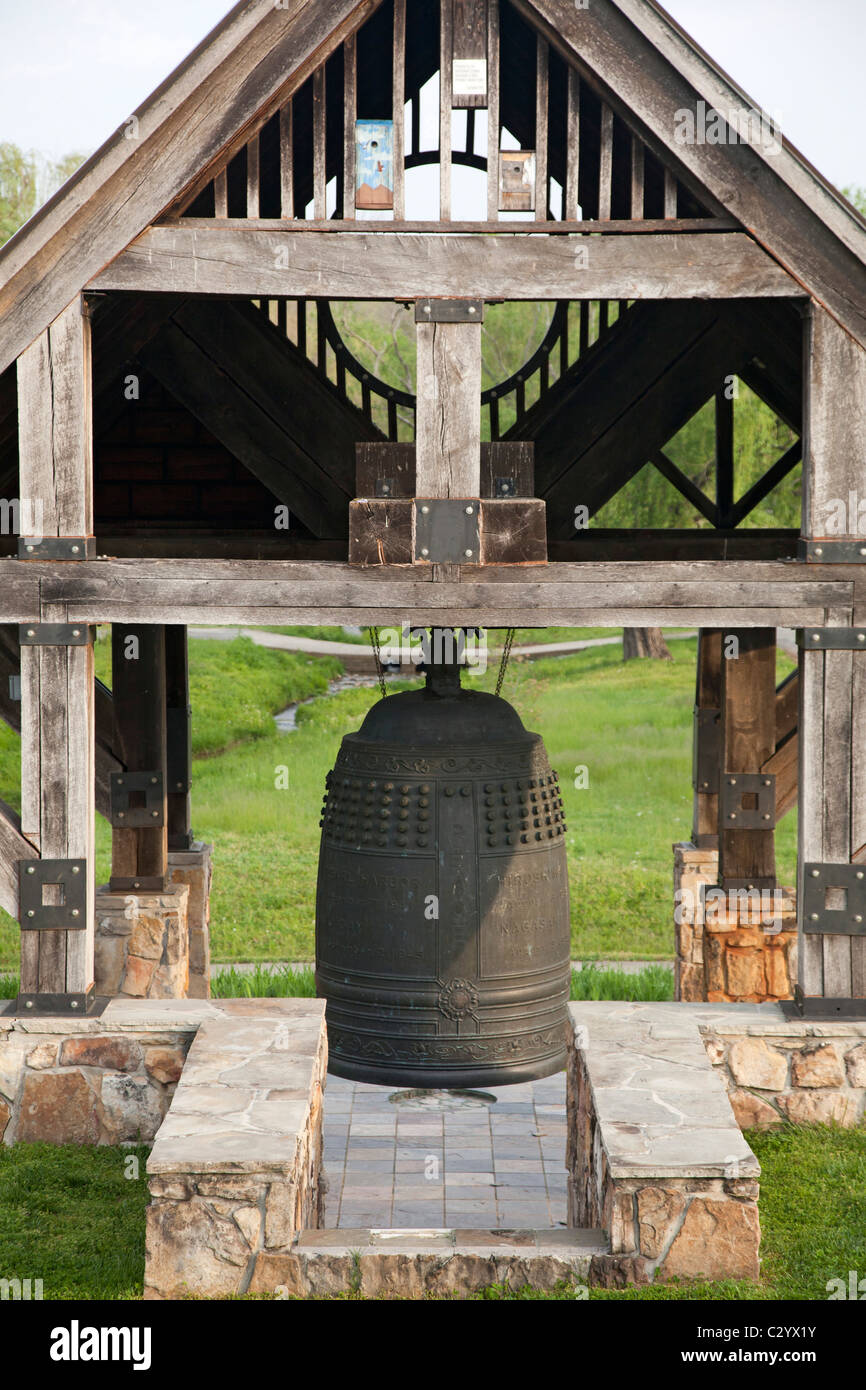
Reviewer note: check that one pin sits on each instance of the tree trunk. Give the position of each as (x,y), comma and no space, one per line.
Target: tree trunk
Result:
(644,641)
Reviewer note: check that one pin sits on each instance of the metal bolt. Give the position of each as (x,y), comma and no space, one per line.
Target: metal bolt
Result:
(857,917)
(425,511)
(768,781)
(31,632)
(154,781)
(76,632)
(121,815)
(180,786)
(816,637)
(29,549)
(427,309)
(468,554)
(425,553)
(816,873)
(819,550)
(863,550)
(29,1004)
(75,869)
(860,874)
(766,816)
(74,1004)
(814,917)
(732,816)
(75,912)
(155,814)
(470,511)
(31,913)
(472,309)
(732,781)
(75,549)
(136,885)
(120,781)
(31,869)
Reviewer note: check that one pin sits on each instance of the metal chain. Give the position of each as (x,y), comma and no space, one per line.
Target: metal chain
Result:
(374,643)
(506,652)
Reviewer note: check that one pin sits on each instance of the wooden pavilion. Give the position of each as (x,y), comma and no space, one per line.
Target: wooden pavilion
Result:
(188,438)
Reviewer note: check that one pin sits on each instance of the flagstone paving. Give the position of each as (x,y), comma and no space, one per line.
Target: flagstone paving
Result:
(438,1159)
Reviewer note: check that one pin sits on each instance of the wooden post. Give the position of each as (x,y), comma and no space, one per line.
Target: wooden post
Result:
(178,739)
(832,769)
(748,706)
(448,430)
(57,692)
(707,739)
(139,855)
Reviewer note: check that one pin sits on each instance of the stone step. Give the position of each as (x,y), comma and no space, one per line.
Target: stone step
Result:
(411,1263)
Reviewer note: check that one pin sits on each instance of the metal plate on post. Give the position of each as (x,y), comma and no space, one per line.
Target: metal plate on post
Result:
(832,552)
(56,547)
(67,875)
(446,531)
(55,634)
(60,1005)
(449,311)
(831,639)
(733,787)
(845,915)
(147,785)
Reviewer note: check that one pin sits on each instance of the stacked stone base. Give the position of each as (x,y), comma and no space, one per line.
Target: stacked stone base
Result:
(235,1170)
(741,953)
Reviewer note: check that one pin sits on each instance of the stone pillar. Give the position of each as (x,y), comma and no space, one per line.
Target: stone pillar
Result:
(142,944)
(194,867)
(742,948)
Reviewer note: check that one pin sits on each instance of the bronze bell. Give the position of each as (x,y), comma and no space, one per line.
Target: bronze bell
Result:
(442,911)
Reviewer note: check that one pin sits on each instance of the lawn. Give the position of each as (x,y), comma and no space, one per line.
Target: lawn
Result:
(258,800)
(74,1218)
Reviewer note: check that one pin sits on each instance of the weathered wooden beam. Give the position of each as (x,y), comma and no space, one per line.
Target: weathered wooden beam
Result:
(55,424)
(748,709)
(13,846)
(707,739)
(57,797)
(178,738)
(448,415)
(268,259)
(139,690)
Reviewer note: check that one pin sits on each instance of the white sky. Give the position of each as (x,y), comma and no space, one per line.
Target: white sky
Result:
(71,71)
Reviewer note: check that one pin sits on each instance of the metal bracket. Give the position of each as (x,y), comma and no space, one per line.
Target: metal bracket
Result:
(810,1008)
(70,875)
(449,311)
(55,634)
(155,883)
(849,882)
(832,552)
(125,816)
(734,787)
(831,639)
(446,531)
(56,547)
(66,1005)
(505,487)
(177,747)
(706,749)
(386,487)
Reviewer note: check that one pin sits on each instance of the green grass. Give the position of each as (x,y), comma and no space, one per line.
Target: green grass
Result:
(629,724)
(71,1217)
(655,982)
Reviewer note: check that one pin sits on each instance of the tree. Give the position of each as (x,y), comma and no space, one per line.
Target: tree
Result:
(856,195)
(27,179)
(646,642)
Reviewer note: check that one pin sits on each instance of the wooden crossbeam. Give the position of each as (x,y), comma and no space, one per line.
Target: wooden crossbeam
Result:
(13,846)
(266,259)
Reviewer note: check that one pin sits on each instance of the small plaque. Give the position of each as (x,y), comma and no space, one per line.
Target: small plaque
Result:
(374,165)
(469,77)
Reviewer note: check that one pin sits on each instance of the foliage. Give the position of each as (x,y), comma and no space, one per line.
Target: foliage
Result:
(27,179)
(857,196)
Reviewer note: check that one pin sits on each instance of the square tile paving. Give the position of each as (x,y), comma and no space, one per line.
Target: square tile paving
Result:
(430,1164)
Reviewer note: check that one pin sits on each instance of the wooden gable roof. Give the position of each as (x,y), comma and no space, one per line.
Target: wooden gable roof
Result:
(251,64)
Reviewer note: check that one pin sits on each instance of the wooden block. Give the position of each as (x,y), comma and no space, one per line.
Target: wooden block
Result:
(513,532)
(517,181)
(380,532)
(393,464)
(508,463)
